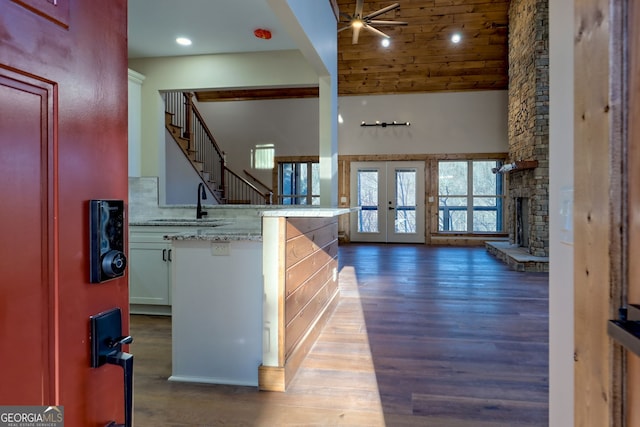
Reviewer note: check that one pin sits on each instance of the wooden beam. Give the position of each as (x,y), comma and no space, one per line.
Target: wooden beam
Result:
(256,94)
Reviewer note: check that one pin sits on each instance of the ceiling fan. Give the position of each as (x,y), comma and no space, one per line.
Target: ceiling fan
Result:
(357,21)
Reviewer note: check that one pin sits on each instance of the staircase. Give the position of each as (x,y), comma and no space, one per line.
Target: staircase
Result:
(185,124)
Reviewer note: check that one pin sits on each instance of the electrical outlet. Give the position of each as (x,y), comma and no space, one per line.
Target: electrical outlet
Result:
(220,248)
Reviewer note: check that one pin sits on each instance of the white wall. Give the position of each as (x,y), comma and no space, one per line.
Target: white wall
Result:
(315,64)
(313,26)
(465,122)
(135,118)
(561,306)
(182,182)
(451,122)
(262,69)
(290,124)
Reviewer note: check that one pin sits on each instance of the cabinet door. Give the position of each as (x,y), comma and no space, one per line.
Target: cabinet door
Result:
(149,273)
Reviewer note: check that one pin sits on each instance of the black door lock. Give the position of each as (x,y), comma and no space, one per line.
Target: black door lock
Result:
(106,226)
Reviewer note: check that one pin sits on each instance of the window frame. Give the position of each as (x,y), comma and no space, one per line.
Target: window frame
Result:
(296,196)
(470,197)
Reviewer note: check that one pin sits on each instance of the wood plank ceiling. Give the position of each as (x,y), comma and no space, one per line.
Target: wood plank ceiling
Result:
(421,56)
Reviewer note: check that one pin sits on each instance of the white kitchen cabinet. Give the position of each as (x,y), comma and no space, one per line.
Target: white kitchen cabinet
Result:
(150,258)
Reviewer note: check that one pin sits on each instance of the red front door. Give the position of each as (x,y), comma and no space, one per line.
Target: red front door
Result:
(63,141)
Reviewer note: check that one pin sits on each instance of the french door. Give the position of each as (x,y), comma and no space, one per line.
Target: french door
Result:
(390,196)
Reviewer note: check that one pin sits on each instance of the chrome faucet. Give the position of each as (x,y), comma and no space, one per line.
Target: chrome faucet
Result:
(202,195)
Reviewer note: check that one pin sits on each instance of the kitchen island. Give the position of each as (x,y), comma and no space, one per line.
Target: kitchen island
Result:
(251,295)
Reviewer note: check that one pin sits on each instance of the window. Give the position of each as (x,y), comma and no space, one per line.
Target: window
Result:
(262,156)
(470,196)
(299,183)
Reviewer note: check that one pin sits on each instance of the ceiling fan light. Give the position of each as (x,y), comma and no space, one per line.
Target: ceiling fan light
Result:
(357,23)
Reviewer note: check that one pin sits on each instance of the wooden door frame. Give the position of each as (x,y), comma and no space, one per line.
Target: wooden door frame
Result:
(387,166)
(600,227)
(632,388)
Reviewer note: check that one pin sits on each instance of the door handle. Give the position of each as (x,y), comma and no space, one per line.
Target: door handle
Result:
(164,255)
(124,360)
(391,208)
(106,348)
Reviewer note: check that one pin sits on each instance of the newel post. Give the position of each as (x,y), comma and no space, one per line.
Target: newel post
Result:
(223,166)
(188,114)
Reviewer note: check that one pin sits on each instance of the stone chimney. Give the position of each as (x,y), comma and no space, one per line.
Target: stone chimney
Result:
(528,196)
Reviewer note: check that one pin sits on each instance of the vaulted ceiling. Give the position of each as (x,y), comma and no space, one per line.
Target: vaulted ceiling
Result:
(421,56)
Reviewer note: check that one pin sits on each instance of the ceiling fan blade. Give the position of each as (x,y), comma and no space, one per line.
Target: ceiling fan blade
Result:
(382,11)
(356,33)
(359,6)
(376,31)
(346,16)
(344,28)
(376,22)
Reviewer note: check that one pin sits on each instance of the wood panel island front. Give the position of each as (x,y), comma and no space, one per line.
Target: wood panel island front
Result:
(251,295)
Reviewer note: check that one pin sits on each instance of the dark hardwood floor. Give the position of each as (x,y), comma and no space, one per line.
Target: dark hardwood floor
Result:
(422,336)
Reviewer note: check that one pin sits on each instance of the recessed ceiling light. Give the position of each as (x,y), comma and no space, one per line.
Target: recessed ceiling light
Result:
(385,42)
(183,41)
(456,38)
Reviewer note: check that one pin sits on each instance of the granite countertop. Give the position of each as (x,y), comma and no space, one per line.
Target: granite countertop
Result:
(234,229)
(306,211)
(181,222)
(225,232)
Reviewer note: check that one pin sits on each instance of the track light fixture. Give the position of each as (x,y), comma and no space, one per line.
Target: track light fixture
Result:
(385,124)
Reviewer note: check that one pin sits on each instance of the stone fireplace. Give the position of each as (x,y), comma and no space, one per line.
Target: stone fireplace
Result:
(528,196)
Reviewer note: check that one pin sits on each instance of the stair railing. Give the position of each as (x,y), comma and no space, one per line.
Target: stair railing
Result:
(206,152)
(241,191)
(268,191)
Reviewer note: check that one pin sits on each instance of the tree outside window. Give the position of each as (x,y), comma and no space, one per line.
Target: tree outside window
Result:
(299,183)
(470,196)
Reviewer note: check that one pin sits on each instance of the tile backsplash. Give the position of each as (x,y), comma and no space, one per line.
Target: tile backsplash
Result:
(144,206)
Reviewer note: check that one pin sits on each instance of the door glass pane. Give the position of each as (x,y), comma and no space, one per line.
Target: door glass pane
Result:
(405,218)
(368,201)
(452,214)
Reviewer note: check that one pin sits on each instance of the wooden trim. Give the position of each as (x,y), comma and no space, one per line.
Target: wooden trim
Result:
(282,252)
(271,378)
(295,159)
(297,226)
(344,187)
(257,94)
(632,398)
(421,157)
(304,346)
(307,292)
(597,211)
